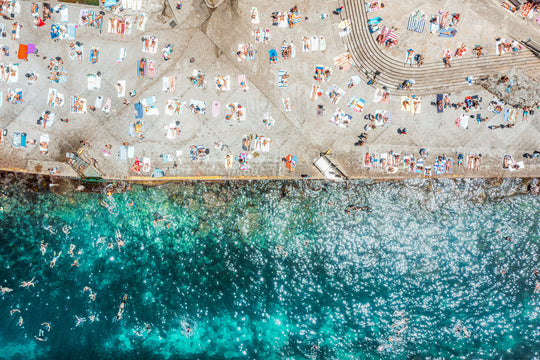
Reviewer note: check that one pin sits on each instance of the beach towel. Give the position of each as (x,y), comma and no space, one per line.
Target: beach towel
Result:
(356,104)
(286,104)
(448,32)
(107,107)
(439,103)
(152,69)
(255,19)
(322,43)
(169,84)
(44,144)
(416,107)
(315,93)
(122,153)
(223,83)
(216,108)
(416,22)
(121,88)
(94,81)
(375,21)
(19,140)
(434,24)
(122,55)
(242,82)
(141,22)
(405,103)
(272,54)
(283,79)
(146,166)
(22,54)
(314,43)
(64,15)
(197,106)
(138,110)
(462,121)
(136,167)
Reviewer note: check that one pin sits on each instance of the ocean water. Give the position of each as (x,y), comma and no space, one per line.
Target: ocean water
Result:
(273,270)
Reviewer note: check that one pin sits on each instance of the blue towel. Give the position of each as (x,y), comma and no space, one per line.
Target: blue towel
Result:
(138,110)
(375,21)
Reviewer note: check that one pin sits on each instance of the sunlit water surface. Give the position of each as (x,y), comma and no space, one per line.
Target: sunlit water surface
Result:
(272,270)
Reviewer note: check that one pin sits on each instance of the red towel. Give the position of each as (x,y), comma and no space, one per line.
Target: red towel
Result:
(23,52)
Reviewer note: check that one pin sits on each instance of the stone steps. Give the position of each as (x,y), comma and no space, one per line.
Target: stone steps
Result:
(432,77)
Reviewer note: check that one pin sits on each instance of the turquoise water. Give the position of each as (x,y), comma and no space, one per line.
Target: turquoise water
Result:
(273,270)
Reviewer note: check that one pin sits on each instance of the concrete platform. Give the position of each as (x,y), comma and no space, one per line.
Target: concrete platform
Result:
(210,38)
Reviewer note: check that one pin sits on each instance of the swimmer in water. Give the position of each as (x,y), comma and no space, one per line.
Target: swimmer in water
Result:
(121,309)
(41,336)
(55,258)
(79,320)
(50,229)
(27,283)
(119,240)
(21,321)
(5,289)
(537,287)
(92,318)
(47,326)
(76,263)
(14,311)
(71,248)
(148,329)
(188,331)
(43,248)
(130,203)
(65,229)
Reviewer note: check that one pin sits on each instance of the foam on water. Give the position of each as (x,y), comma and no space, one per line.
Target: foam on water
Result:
(275,270)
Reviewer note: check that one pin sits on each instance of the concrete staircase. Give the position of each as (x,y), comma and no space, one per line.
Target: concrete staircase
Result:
(432,77)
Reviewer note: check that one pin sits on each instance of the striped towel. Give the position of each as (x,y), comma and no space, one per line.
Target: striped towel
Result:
(242,82)
(420,26)
(392,35)
(412,23)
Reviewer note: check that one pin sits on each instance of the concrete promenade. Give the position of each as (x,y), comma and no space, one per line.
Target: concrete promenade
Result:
(206,40)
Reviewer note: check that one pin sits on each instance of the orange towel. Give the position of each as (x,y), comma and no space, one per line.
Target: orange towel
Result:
(23,52)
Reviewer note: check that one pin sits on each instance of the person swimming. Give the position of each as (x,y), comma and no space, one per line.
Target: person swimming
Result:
(79,320)
(43,247)
(28,283)
(5,289)
(357,208)
(121,309)
(55,258)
